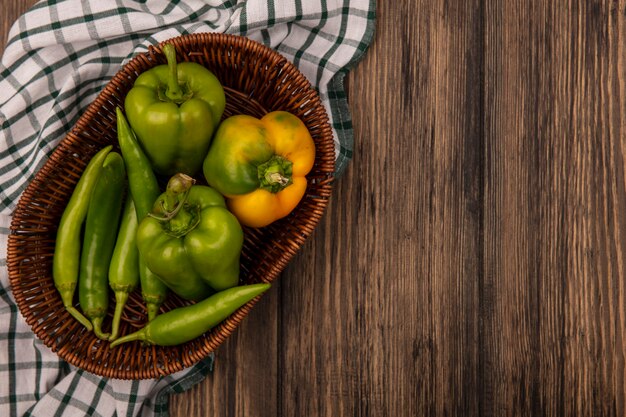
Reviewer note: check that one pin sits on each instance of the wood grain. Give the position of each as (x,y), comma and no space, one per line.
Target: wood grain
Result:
(471,261)
(554,194)
(11,10)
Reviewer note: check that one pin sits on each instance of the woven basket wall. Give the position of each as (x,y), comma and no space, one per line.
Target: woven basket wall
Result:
(256,80)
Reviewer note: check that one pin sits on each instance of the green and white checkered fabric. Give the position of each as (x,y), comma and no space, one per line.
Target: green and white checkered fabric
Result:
(59,56)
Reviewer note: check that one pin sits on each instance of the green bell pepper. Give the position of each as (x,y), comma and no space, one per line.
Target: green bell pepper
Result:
(174,110)
(191,240)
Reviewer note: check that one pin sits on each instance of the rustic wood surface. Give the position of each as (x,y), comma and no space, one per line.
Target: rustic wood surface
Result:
(472,259)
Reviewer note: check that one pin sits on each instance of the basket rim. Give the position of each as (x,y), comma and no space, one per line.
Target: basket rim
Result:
(221,332)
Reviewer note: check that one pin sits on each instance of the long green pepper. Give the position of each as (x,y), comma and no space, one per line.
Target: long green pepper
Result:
(66,259)
(144,189)
(124,267)
(101,225)
(186,323)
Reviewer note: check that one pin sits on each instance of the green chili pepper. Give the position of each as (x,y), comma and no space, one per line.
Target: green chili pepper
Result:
(124,268)
(174,110)
(66,259)
(101,225)
(144,189)
(186,323)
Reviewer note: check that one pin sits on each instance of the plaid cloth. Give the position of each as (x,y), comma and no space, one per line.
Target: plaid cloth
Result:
(59,56)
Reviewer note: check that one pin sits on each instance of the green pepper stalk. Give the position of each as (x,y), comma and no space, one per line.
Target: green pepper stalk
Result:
(100,233)
(186,323)
(174,110)
(191,240)
(66,259)
(144,189)
(124,268)
(174,93)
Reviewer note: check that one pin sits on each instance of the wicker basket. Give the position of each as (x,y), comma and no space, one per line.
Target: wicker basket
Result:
(257,80)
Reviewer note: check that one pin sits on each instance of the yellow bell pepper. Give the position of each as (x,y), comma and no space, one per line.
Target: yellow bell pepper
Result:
(260,165)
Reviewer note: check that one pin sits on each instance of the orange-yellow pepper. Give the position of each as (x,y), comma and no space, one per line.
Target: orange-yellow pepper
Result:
(260,165)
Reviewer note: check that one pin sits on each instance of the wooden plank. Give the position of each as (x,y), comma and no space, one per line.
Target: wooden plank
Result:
(380,314)
(243,382)
(593,228)
(11,10)
(452,247)
(554,194)
(522,251)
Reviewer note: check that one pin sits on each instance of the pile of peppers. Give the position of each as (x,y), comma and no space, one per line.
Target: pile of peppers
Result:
(166,212)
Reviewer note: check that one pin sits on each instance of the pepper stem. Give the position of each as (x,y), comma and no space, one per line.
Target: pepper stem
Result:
(275,174)
(97,328)
(121,297)
(138,335)
(276,178)
(67,296)
(173,92)
(152,308)
(176,193)
(178,217)
(78,316)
